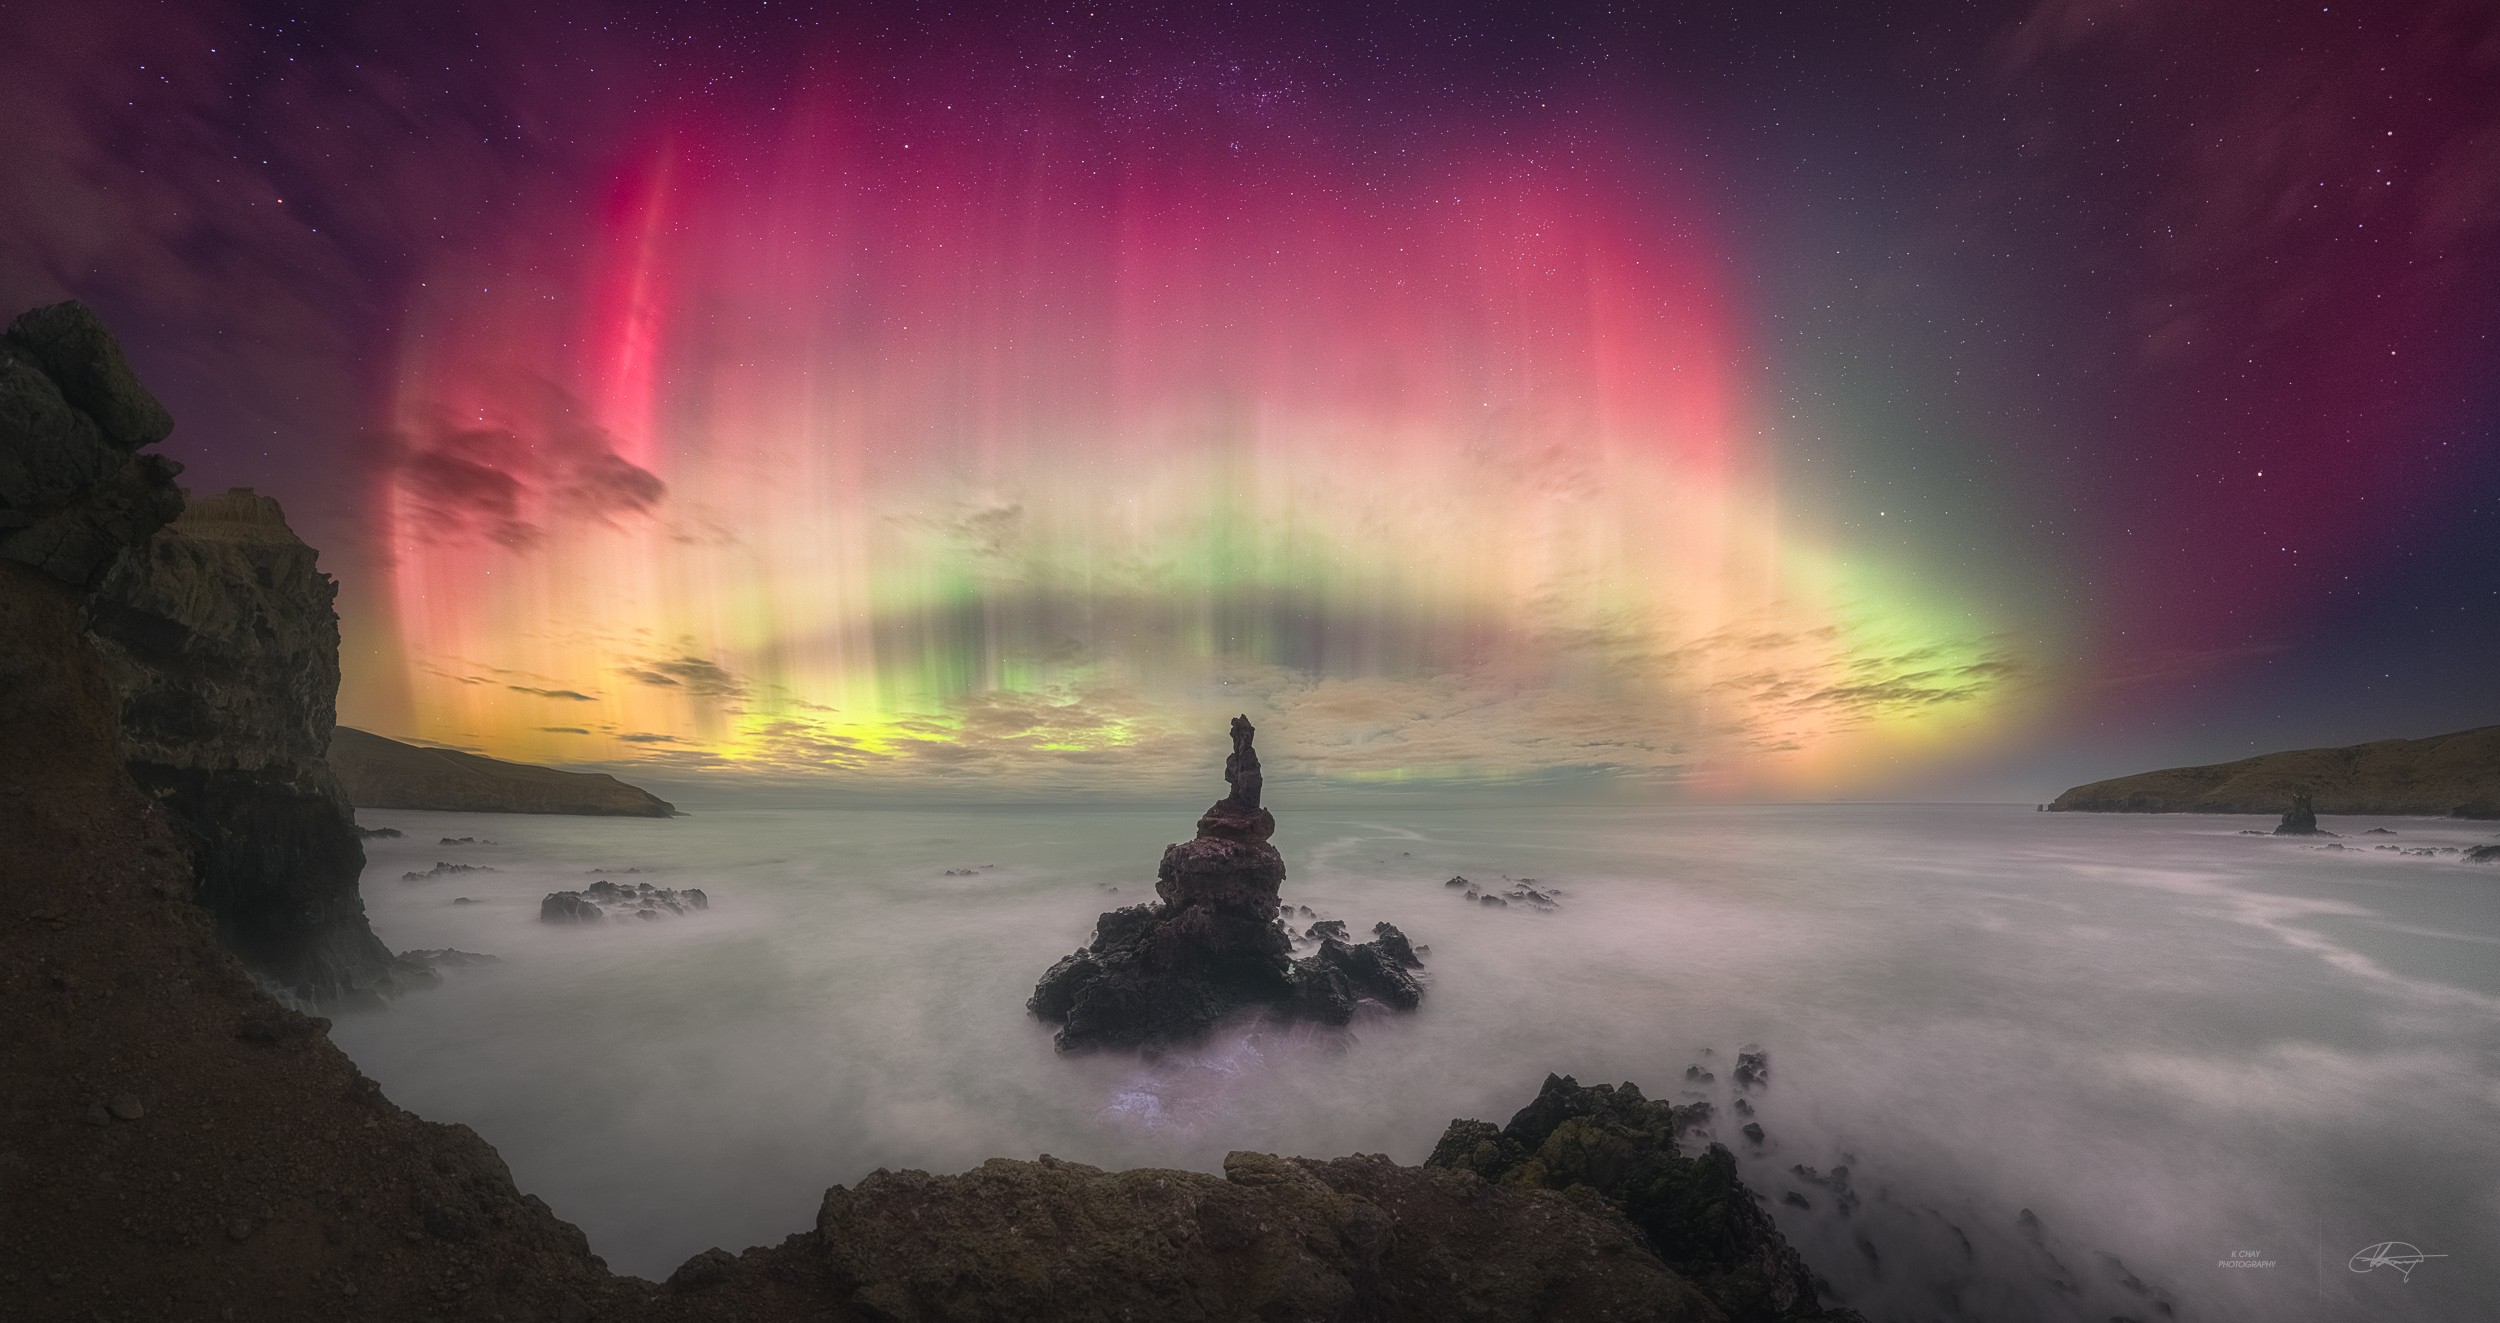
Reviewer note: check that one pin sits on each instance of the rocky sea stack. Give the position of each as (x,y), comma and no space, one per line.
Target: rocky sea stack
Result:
(1215,944)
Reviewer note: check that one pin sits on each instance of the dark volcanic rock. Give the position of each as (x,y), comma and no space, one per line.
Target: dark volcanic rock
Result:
(2301,819)
(605,899)
(1215,943)
(1273,1238)
(2456,774)
(386,774)
(1693,1211)
(74,492)
(220,634)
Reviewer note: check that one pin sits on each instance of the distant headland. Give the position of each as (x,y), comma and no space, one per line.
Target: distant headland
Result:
(386,774)
(2445,775)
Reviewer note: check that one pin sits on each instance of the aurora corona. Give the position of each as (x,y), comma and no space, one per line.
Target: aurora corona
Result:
(834,447)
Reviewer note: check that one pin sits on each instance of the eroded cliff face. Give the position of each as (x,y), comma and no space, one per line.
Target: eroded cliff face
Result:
(74,490)
(220,635)
(215,627)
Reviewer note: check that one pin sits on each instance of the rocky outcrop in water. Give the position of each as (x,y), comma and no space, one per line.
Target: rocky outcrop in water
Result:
(2301,819)
(1692,1212)
(1214,943)
(2456,774)
(74,490)
(386,774)
(604,899)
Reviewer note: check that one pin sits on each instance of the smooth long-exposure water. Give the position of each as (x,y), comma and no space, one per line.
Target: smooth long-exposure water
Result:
(2213,1067)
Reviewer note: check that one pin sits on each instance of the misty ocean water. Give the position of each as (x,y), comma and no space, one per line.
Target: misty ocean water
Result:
(2213,1067)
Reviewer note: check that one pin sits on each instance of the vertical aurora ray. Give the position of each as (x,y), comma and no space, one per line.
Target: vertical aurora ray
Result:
(881,453)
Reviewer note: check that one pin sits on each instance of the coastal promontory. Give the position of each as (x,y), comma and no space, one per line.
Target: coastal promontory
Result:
(2456,775)
(385,774)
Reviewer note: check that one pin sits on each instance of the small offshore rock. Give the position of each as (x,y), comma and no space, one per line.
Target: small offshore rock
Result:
(1458,882)
(1753,1130)
(1752,1069)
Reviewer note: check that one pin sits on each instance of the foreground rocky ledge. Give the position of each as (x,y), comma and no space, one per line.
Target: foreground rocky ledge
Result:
(2455,774)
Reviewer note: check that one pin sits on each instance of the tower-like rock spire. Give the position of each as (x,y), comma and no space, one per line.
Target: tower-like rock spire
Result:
(1214,943)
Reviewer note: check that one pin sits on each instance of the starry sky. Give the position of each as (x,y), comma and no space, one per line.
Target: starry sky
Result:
(1604,402)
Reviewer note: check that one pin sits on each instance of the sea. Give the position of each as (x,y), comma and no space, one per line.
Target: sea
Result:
(2021,1065)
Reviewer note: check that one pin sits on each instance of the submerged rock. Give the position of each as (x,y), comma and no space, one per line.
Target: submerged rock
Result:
(1215,943)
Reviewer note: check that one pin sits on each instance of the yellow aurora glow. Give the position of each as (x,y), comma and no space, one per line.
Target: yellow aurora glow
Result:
(799,482)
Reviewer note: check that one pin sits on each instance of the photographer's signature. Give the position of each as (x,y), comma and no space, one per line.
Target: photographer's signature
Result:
(2396,1254)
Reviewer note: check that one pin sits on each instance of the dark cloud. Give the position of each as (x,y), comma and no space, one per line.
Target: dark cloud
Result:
(570,695)
(645,737)
(541,461)
(695,674)
(564,730)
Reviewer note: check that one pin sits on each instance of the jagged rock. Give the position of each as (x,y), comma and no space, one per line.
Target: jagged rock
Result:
(441,869)
(2301,819)
(2474,854)
(1394,945)
(1458,882)
(603,899)
(450,958)
(74,492)
(569,907)
(1372,972)
(1753,1068)
(1215,943)
(69,342)
(1693,1211)
(1272,1238)
(377,833)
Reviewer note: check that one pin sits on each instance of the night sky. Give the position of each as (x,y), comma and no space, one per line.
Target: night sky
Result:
(1870,401)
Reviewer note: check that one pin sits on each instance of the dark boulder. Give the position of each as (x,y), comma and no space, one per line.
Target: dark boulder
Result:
(1372,972)
(569,907)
